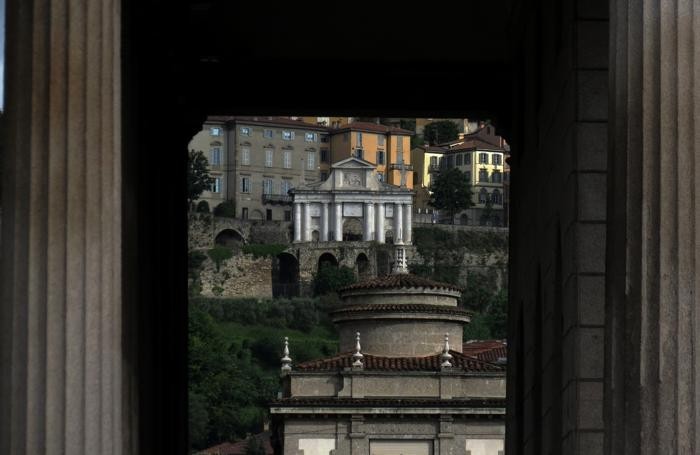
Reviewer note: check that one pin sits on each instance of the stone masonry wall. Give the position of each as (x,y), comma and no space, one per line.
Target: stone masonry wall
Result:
(558,233)
(241,276)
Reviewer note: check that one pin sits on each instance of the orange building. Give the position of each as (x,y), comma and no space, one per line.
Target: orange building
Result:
(389,148)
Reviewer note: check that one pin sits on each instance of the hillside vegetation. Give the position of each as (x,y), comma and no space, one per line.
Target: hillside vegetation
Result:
(234,351)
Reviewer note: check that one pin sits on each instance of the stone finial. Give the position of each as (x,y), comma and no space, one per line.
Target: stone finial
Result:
(446,356)
(357,356)
(286,360)
(400,259)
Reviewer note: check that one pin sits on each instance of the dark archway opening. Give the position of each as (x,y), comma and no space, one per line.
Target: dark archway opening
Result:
(285,276)
(229,238)
(362,269)
(201,58)
(383,263)
(327,260)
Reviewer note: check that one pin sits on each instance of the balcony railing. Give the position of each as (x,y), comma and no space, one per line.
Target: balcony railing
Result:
(434,168)
(397,167)
(276,199)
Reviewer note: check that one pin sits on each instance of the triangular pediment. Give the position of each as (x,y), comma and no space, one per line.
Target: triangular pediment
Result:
(353,163)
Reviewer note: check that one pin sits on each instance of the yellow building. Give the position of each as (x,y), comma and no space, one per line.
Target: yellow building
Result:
(482,156)
(426,162)
(386,147)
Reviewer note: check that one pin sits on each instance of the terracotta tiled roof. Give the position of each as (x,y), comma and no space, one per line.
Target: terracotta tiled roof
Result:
(486,350)
(370,127)
(239,448)
(403,308)
(266,120)
(475,144)
(379,363)
(393,402)
(400,280)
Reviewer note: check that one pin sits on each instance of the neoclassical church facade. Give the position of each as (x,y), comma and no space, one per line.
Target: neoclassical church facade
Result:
(352,200)
(401,383)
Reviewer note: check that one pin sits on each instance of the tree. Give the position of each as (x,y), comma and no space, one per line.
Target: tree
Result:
(329,278)
(486,213)
(226,209)
(440,131)
(451,192)
(198,178)
(254,446)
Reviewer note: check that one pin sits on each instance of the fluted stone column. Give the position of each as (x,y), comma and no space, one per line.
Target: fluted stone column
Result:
(60,308)
(306,228)
(398,223)
(407,223)
(379,223)
(297,222)
(324,222)
(368,233)
(339,221)
(652,389)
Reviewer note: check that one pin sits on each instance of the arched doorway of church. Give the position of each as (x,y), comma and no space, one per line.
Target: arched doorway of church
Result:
(352,230)
(285,276)
(362,266)
(315,236)
(327,259)
(230,238)
(389,236)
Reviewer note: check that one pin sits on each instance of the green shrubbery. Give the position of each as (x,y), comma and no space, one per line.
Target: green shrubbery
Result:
(262,250)
(330,278)
(491,322)
(219,254)
(226,209)
(234,351)
(202,207)
(299,313)
(228,389)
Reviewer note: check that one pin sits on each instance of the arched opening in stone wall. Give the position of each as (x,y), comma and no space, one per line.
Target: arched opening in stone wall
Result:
(352,229)
(327,259)
(256,215)
(463,219)
(285,276)
(389,236)
(315,237)
(362,266)
(230,238)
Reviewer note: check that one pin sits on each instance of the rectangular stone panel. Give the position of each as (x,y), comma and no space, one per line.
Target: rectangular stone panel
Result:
(352,209)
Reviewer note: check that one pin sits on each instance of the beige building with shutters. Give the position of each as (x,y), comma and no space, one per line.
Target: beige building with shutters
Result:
(402,383)
(255,161)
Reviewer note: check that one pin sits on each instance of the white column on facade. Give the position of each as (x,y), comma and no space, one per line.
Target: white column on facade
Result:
(379,222)
(324,222)
(61,388)
(407,223)
(339,221)
(368,233)
(398,222)
(297,221)
(306,228)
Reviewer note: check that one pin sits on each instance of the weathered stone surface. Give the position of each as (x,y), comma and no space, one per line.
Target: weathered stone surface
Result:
(242,275)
